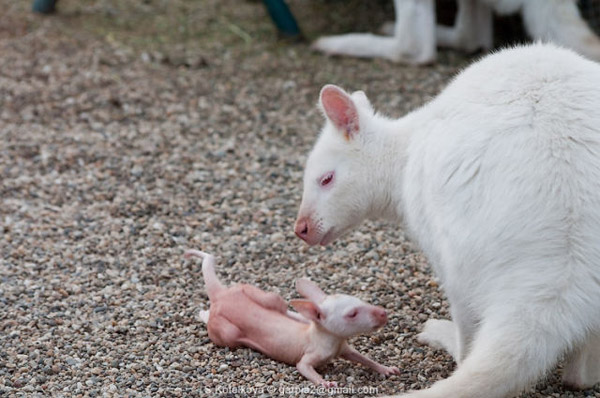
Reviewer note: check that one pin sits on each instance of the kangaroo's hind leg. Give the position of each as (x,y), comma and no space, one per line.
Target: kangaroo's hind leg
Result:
(413,40)
(472,30)
(508,354)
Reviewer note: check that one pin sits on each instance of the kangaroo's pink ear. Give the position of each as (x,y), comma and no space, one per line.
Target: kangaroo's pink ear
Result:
(340,109)
(308,309)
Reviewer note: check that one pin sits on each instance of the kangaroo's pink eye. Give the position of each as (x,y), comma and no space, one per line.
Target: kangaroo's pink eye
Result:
(326,179)
(352,314)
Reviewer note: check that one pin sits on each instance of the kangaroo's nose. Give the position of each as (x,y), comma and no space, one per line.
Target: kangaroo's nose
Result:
(301,228)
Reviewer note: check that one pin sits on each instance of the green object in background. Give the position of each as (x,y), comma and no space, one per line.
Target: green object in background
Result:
(44,6)
(283,18)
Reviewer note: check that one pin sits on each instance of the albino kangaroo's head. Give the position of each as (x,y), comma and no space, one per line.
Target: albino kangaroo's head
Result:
(340,314)
(338,177)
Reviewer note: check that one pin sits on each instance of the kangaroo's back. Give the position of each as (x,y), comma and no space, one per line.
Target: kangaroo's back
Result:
(510,157)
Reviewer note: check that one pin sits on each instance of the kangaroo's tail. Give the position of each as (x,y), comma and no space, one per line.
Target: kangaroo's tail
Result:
(213,285)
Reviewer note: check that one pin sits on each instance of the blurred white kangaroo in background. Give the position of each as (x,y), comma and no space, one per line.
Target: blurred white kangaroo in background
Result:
(414,36)
(498,180)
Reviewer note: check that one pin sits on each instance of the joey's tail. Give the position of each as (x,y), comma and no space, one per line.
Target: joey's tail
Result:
(213,285)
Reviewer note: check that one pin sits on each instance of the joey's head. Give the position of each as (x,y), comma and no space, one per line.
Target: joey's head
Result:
(339,178)
(342,315)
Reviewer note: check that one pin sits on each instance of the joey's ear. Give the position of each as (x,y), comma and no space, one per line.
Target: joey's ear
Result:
(340,109)
(310,290)
(308,309)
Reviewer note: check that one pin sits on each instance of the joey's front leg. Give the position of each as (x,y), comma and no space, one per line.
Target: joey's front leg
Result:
(351,354)
(306,368)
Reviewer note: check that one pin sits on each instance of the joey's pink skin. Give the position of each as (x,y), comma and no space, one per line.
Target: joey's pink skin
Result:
(245,316)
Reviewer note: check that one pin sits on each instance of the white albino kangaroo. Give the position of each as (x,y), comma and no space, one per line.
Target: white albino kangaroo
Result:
(414,36)
(498,181)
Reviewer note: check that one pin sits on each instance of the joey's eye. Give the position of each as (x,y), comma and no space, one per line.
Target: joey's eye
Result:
(352,314)
(326,179)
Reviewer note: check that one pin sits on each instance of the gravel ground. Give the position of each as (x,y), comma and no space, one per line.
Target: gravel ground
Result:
(131,131)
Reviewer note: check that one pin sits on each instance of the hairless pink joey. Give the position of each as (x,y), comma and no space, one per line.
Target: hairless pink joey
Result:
(245,316)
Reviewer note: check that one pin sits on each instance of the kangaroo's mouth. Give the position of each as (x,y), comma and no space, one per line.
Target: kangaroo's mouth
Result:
(328,237)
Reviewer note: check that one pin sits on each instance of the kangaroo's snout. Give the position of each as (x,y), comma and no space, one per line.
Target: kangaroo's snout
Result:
(301,228)
(311,232)
(307,230)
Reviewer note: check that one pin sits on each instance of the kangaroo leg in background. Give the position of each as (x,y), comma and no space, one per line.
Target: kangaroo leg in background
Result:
(472,30)
(559,21)
(413,41)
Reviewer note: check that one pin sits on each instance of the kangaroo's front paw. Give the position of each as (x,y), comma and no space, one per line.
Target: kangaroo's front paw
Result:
(439,334)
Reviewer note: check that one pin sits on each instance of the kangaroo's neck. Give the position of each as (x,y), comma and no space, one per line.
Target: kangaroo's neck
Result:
(389,155)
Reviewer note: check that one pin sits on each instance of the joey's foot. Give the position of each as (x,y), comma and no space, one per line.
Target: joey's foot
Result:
(328,384)
(388,370)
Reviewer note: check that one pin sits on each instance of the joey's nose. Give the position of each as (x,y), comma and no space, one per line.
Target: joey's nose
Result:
(380,315)
(301,228)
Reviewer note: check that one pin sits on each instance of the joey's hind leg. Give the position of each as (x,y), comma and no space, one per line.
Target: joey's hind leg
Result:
(223,333)
(268,300)
(582,367)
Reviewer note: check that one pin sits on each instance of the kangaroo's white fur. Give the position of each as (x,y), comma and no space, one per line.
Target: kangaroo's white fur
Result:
(498,180)
(414,36)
